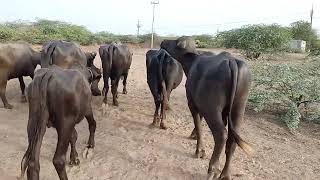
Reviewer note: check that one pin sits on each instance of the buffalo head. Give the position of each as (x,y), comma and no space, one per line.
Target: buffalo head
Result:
(180,47)
(90,57)
(95,74)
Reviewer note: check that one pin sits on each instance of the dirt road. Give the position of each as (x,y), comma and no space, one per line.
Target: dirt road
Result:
(126,148)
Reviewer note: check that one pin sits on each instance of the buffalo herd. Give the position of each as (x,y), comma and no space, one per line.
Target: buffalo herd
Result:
(60,94)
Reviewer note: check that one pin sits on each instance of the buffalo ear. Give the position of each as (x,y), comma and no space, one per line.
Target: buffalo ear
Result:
(182,44)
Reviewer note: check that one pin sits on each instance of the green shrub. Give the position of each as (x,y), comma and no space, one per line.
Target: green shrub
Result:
(315,49)
(45,30)
(287,86)
(146,39)
(6,33)
(256,39)
(205,41)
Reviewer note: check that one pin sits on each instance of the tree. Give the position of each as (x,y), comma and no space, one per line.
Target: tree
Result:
(302,30)
(256,39)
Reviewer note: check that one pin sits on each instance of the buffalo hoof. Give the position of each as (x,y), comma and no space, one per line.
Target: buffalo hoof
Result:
(23,99)
(96,93)
(87,153)
(193,135)
(74,162)
(8,106)
(162,126)
(125,91)
(214,174)
(200,154)
(115,103)
(152,125)
(225,177)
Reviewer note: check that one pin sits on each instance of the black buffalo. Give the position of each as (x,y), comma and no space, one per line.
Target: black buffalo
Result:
(217,88)
(116,61)
(16,61)
(69,55)
(164,74)
(60,98)
(90,56)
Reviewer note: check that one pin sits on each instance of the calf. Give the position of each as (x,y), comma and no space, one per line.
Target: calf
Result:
(116,61)
(16,61)
(217,88)
(163,75)
(60,98)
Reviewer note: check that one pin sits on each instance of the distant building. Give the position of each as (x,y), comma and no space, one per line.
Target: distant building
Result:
(298,46)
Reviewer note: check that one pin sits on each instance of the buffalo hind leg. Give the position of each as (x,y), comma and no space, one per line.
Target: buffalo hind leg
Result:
(33,164)
(22,87)
(164,104)
(114,90)
(105,91)
(163,115)
(59,159)
(156,113)
(168,95)
(92,129)
(74,159)
(3,85)
(220,136)
(105,88)
(125,76)
(237,118)
(200,152)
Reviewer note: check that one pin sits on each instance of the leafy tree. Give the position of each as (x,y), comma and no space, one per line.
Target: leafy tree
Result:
(302,30)
(256,39)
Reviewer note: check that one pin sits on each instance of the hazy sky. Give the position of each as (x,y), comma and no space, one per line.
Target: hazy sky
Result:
(172,16)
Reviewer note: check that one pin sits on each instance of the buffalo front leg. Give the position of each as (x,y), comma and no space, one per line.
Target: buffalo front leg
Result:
(74,159)
(114,91)
(200,152)
(3,86)
(92,128)
(193,134)
(125,76)
(22,87)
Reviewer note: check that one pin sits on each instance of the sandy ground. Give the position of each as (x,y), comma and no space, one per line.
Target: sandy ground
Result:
(126,148)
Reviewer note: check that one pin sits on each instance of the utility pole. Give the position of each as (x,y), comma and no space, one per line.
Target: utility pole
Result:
(154,3)
(138,27)
(311,16)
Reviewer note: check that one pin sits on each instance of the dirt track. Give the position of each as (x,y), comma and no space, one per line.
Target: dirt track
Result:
(126,148)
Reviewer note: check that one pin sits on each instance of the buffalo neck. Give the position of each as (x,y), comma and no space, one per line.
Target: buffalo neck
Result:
(36,58)
(187,61)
